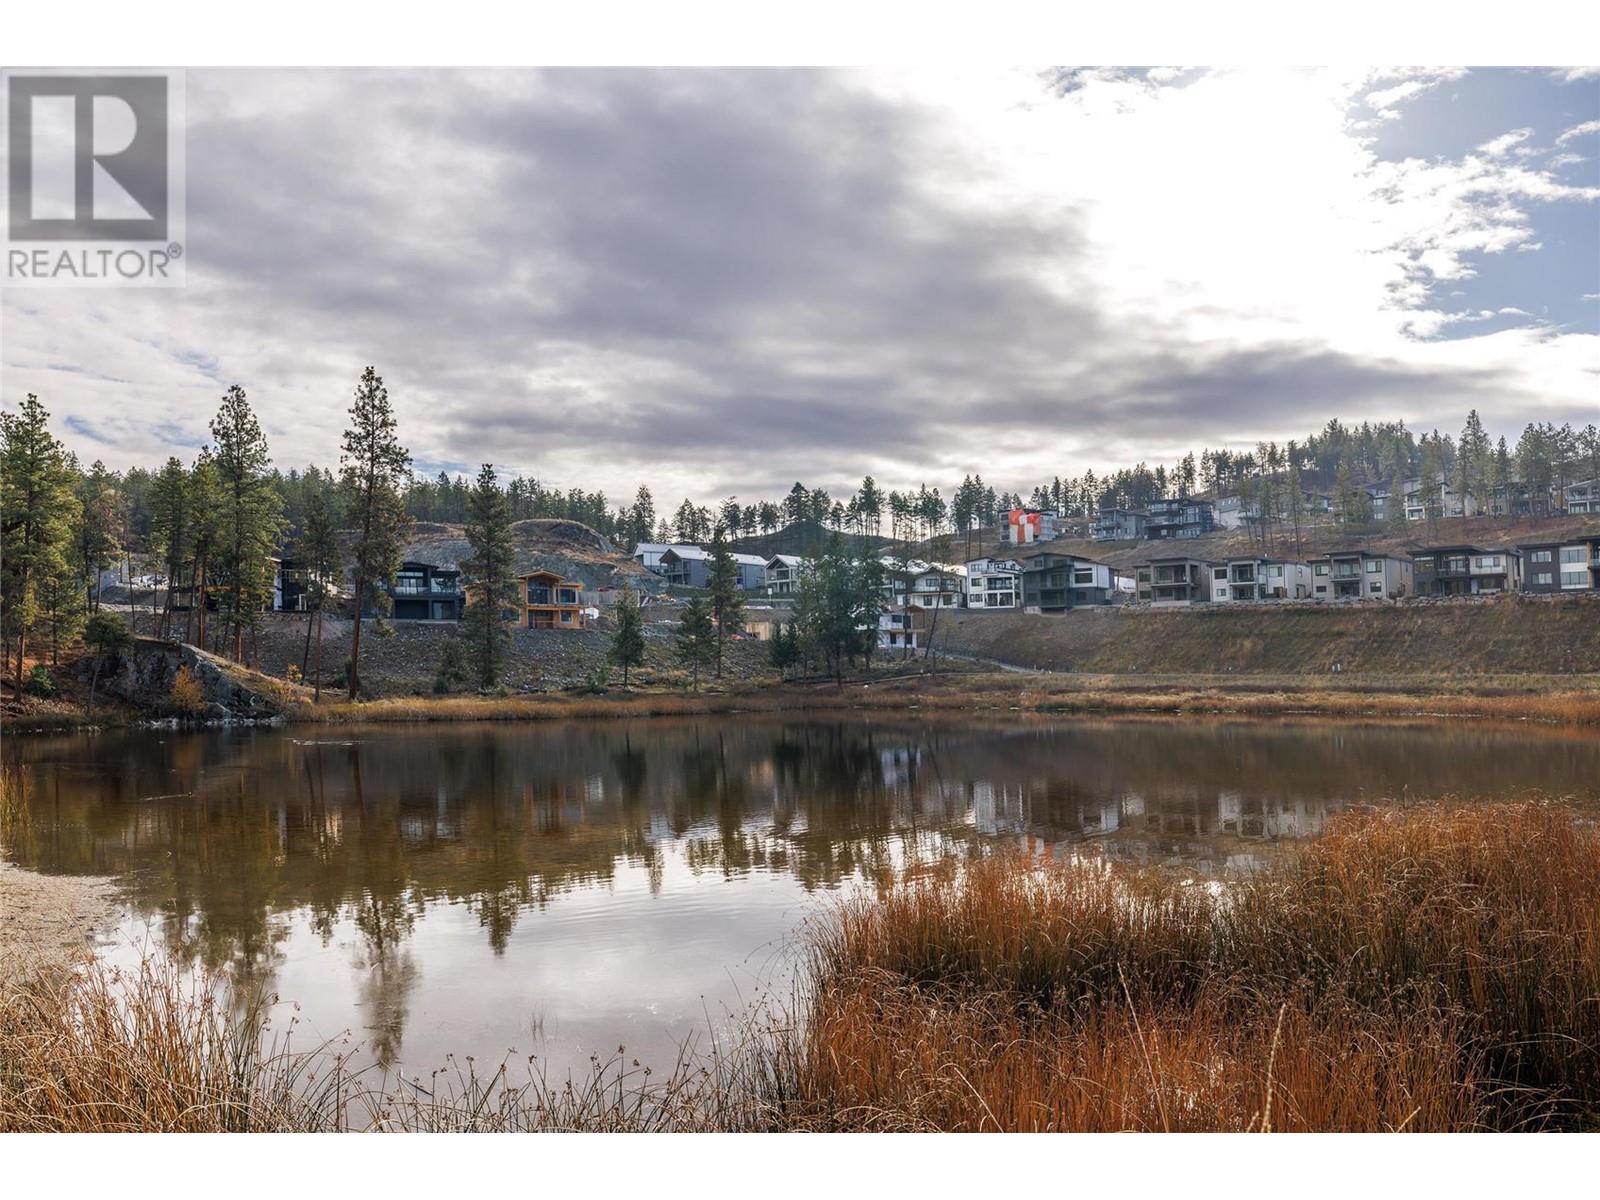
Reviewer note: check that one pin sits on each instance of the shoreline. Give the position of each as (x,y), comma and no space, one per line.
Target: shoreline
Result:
(48,923)
(962,687)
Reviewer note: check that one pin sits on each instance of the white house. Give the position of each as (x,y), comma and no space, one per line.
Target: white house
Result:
(924,584)
(1260,578)
(783,573)
(994,583)
(895,631)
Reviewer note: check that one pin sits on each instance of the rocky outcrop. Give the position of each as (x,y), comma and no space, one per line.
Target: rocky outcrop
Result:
(144,676)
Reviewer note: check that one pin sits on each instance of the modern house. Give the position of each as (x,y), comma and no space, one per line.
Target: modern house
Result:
(1057,582)
(1572,565)
(424,592)
(1582,497)
(1117,525)
(1176,580)
(994,583)
(292,592)
(1465,570)
(1360,575)
(1025,526)
(1184,517)
(1260,578)
(896,631)
(783,573)
(927,585)
(690,566)
(547,601)
(648,554)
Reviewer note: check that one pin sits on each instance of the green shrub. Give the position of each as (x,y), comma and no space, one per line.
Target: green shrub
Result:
(41,682)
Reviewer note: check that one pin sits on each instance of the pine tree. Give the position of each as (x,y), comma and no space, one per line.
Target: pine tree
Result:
(696,641)
(323,564)
(99,529)
(373,470)
(490,577)
(250,516)
(171,528)
(627,643)
(727,600)
(38,506)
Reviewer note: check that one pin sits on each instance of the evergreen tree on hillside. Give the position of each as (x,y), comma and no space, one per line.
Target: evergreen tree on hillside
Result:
(627,643)
(319,552)
(98,535)
(38,506)
(837,606)
(373,470)
(696,642)
(171,528)
(250,516)
(727,600)
(490,577)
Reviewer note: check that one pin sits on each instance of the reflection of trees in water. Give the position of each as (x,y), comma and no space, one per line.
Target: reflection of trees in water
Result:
(226,835)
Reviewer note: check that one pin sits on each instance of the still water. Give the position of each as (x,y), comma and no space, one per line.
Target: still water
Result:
(563,889)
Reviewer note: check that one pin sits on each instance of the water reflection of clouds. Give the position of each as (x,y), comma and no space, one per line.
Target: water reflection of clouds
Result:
(454,886)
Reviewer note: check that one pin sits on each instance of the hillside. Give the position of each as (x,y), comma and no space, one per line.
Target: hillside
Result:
(1505,636)
(1314,540)
(569,547)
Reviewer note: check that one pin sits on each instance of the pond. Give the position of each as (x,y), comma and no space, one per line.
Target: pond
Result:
(562,889)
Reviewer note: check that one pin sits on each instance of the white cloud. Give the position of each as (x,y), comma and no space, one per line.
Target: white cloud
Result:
(1578,131)
(1497,147)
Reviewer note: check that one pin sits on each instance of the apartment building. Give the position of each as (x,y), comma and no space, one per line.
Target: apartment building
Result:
(994,583)
(1175,580)
(1057,582)
(1465,570)
(1360,575)
(1260,578)
(1568,566)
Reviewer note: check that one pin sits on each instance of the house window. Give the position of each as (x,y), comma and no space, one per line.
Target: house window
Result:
(1541,556)
(1322,587)
(1220,574)
(1321,569)
(1545,578)
(1375,586)
(1374,566)
(1488,562)
(1425,563)
(1574,579)
(1572,554)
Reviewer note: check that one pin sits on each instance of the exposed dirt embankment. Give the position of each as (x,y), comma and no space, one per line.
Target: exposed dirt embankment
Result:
(1506,636)
(47,921)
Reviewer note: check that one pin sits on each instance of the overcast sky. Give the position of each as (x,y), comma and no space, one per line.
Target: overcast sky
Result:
(718,282)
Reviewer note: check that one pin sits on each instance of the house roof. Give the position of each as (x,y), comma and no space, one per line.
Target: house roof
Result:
(699,554)
(658,547)
(788,560)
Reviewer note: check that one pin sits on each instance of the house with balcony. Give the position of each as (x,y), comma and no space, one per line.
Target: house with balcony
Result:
(994,583)
(1572,565)
(1053,583)
(783,572)
(1582,497)
(690,566)
(547,601)
(1117,525)
(1176,580)
(1465,570)
(896,632)
(1185,517)
(1360,575)
(1243,580)
(1025,526)
(648,554)
(424,592)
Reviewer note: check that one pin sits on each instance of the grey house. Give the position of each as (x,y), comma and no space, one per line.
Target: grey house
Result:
(690,566)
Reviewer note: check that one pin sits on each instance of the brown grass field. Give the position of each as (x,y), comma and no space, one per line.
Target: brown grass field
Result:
(1427,968)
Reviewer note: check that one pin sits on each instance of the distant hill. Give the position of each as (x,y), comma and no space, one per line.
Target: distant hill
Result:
(804,538)
(570,547)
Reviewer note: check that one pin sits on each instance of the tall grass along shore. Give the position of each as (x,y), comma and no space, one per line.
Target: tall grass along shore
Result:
(1425,968)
